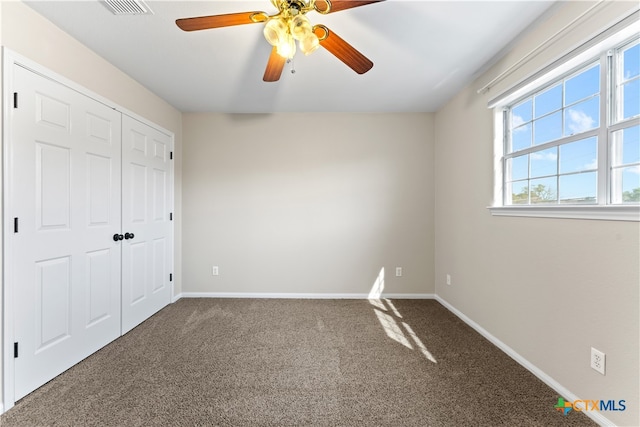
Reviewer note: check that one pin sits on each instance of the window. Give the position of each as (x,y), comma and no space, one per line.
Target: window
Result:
(551,153)
(625,132)
(572,143)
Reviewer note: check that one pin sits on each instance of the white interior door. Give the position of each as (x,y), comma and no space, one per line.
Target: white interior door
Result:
(146,254)
(65,193)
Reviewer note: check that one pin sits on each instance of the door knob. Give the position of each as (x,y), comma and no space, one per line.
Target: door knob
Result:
(117,237)
(128,236)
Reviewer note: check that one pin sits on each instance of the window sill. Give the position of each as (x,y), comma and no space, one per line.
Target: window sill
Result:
(608,213)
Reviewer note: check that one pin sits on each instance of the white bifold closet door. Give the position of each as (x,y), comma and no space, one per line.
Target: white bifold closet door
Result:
(146,257)
(65,178)
(81,174)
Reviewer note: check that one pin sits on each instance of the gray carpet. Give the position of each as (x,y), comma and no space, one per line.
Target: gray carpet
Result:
(270,362)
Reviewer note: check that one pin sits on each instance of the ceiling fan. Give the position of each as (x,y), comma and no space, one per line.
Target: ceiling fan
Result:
(286,27)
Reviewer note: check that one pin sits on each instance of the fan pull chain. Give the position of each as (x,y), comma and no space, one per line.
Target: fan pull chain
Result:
(293,65)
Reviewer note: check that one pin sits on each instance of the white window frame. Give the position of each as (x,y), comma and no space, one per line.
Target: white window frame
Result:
(573,62)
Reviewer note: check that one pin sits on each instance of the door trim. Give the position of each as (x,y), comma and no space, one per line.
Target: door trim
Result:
(9,60)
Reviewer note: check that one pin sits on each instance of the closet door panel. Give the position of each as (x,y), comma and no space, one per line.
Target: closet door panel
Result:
(146,256)
(64,192)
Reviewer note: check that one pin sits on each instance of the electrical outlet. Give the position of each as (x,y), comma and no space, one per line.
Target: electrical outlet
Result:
(214,270)
(448,279)
(597,360)
(398,271)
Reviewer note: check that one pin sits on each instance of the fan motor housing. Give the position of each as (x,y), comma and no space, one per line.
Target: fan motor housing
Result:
(297,5)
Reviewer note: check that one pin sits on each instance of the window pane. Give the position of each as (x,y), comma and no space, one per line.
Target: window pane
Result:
(519,192)
(631,99)
(518,168)
(521,138)
(582,86)
(631,145)
(544,162)
(631,184)
(543,190)
(631,62)
(548,128)
(521,113)
(582,117)
(548,101)
(579,156)
(578,188)
(626,146)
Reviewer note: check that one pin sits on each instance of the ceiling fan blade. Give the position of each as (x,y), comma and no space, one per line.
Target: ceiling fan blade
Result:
(218,21)
(274,66)
(342,50)
(338,5)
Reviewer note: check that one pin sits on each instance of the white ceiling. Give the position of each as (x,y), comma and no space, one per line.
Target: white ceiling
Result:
(423,52)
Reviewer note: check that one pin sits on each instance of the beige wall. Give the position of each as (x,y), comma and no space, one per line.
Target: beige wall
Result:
(27,33)
(548,288)
(308,203)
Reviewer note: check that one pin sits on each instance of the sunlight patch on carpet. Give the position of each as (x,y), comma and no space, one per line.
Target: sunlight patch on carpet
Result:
(419,343)
(392,329)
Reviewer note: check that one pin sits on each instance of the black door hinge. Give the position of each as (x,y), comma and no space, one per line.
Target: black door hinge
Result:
(15,225)
(15,99)
(170,277)
(170,155)
(15,350)
(170,216)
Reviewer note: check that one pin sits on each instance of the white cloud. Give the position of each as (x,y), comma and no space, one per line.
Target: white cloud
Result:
(524,128)
(634,169)
(516,120)
(579,121)
(540,155)
(517,125)
(593,164)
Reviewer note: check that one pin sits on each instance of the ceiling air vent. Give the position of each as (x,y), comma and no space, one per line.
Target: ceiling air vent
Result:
(128,7)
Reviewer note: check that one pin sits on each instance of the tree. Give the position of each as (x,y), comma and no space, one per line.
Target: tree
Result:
(539,194)
(631,196)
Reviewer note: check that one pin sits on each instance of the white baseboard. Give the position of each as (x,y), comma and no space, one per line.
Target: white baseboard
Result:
(176,298)
(296,295)
(562,391)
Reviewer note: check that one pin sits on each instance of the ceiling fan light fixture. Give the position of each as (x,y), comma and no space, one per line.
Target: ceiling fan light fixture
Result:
(300,27)
(289,25)
(287,48)
(309,44)
(276,32)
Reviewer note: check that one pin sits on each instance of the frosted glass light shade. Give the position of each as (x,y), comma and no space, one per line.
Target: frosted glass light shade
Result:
(287,48)
(275,31)
(300,27)
(309,44)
